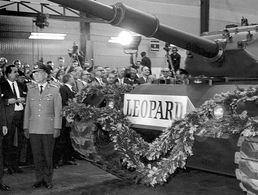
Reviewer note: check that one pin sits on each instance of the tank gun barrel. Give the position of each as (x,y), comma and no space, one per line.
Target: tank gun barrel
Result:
(143,23)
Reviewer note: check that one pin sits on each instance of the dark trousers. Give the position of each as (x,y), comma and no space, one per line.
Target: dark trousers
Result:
(63,146)
(42,149)
(13,140)
(1,160)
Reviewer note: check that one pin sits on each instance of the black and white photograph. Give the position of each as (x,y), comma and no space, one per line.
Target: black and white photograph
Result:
(128,97)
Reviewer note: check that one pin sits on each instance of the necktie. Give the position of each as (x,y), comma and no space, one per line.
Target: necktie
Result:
(41,89)
(15,94)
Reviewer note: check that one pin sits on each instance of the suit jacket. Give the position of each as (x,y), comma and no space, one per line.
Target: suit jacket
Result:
(141,80)
(175,58)
(120,81)
(146,62)
(8,94)
(43,112)
(2,115)
(167,80)
(66,94)
(129,81)
(97,81)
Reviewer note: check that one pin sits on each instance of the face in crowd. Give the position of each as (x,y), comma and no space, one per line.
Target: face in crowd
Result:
(133,73)
(166,72)
(71,80)
(75,64)
(145,71)
(111,78)
(86,76)
(61,62)
(40,76)
(99,72)
(51,64)
(121,72)
(76,72)
(174,50)
(12,73)
(107,70)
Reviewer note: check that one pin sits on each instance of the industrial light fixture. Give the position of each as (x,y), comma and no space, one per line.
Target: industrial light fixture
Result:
(124,38)
(48,36)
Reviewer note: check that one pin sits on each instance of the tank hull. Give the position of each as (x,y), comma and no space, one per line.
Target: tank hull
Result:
(210,154)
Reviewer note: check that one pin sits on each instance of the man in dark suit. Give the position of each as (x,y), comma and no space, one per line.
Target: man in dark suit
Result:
(120,76)
(99,73)
(3,132)
(64,151)
(146,61)
(14,94)
(165,77)
(175,58)
(145,73)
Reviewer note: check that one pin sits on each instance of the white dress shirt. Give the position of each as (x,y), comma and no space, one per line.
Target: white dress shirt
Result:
(18,106)
(100,81)
(69,86)
(44,86)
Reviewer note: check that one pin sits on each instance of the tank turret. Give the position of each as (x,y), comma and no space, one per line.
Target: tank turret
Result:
(228,53)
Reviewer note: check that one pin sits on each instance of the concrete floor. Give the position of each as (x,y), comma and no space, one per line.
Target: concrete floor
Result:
(86,179)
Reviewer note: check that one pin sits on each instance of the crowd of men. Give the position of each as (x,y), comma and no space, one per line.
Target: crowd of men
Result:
(31,103)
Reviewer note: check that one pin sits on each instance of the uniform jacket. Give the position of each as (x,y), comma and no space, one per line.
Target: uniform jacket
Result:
(43,112)
(7,93)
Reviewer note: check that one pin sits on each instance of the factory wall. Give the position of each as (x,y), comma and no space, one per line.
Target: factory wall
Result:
(180,14)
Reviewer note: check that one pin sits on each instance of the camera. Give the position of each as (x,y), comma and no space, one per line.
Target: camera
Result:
(167,47)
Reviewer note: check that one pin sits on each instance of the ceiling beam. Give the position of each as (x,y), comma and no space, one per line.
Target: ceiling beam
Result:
(51,16)
(65,13)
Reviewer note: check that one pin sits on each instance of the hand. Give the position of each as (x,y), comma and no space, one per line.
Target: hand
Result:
(21,100)
(4,130)
(26,133)
(69,119)
(56,133)
(12,101)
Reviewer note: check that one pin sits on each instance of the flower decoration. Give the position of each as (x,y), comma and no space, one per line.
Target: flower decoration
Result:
(154,162)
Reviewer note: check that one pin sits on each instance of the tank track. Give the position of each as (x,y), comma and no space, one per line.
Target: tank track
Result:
(247,160)
(94,145)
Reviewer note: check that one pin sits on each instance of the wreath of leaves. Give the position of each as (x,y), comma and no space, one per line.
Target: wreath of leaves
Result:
(171,149)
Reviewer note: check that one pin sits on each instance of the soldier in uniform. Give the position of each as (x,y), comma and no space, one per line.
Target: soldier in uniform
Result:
(42,124)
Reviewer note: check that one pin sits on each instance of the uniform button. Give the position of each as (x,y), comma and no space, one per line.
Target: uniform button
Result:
(39,99)
(39,109)
(39,115)
(39,104)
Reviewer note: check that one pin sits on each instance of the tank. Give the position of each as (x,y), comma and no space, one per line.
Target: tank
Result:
(220,61)
(230,52)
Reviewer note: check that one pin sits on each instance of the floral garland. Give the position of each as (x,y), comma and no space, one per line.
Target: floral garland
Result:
(171,149)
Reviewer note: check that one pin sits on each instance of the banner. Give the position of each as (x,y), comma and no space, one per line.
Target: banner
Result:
(156,110)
